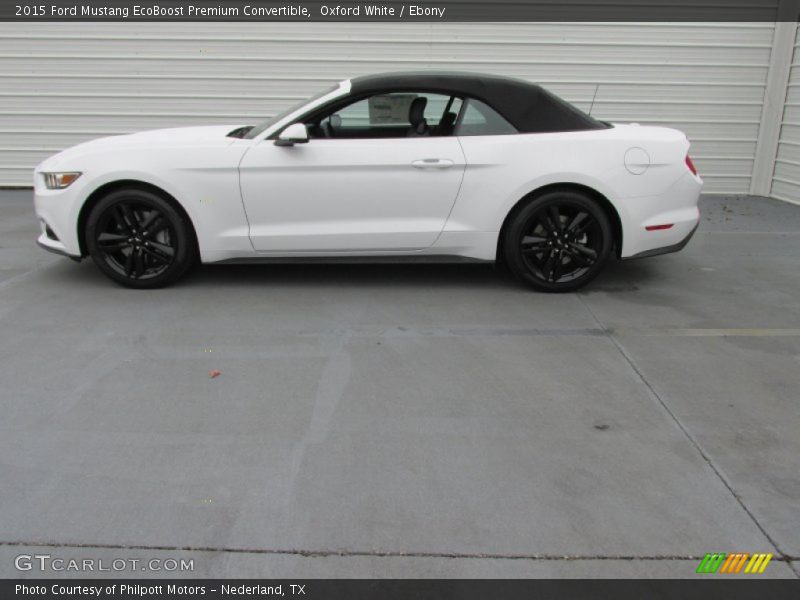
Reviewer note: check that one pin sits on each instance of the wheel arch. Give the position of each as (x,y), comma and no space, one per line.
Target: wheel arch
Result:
(99,193)
(601,199)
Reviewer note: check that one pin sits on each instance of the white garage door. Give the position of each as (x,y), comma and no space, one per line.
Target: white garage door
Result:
(786,180)
(62,83)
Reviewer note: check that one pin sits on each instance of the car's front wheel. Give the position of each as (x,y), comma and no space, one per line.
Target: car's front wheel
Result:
(558,242)
(138,239)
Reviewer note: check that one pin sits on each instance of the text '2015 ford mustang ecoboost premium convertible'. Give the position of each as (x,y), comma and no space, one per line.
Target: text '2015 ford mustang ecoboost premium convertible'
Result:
(399,166)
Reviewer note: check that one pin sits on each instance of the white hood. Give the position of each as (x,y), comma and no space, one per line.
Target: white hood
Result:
(156,138)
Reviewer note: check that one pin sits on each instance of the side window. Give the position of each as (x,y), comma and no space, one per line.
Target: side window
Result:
(478,118)
(390,115)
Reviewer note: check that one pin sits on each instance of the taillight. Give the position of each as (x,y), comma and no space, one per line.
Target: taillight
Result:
(690,164)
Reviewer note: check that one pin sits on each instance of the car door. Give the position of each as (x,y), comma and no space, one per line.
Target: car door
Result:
(360,184)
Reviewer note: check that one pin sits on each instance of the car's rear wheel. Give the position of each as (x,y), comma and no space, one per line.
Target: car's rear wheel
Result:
(138,239)
(558,242)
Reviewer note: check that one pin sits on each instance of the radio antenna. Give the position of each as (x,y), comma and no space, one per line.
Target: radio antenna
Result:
(596,87)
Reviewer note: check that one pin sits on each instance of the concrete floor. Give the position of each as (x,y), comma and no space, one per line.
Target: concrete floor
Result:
(407,421)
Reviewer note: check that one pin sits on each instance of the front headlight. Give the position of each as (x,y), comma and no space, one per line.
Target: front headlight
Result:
(59,181)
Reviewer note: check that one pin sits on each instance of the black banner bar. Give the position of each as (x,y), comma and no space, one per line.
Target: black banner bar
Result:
(401,11)
(392,589)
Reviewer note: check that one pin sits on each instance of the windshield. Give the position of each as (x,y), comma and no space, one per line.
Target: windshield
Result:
(259,129)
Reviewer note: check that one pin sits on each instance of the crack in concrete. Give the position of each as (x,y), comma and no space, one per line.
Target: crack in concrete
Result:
(783,556)
(322,552)
(409,332)
(25,274)
(330,389)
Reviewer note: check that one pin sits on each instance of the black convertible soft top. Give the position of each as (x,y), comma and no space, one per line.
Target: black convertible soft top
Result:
(527,106)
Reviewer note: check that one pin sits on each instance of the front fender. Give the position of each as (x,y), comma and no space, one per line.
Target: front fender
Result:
(204,181)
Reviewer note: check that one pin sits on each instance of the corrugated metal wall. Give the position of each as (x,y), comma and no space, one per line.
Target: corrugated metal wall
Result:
(786,179)
(62,83)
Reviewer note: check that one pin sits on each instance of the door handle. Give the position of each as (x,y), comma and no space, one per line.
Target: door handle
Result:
(432,163)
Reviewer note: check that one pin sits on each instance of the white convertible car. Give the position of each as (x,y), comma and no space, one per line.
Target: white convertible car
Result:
(400,166)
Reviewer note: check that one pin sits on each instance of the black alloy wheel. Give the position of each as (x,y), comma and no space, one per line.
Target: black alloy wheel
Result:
(559,241)
(139,240)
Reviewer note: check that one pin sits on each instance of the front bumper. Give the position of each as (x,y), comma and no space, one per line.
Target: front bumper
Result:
(57,212)
(45,243)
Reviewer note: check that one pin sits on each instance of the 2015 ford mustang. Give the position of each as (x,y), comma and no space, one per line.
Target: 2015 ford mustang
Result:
(399,166)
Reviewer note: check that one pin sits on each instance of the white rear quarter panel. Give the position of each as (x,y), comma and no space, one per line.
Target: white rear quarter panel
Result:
(501,170)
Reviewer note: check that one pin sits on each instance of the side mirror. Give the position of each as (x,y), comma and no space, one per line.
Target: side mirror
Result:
(293,134)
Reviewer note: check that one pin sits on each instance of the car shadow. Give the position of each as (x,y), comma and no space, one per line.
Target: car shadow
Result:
(618,276)
(358,275)
(625,276)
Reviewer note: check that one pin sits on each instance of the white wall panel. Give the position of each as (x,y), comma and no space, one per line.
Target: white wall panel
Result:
(786,178)
(62,83)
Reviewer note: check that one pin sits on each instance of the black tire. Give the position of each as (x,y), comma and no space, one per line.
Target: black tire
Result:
(558,241)
(140,240)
